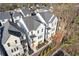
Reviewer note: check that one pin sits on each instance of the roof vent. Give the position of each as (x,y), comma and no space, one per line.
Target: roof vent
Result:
(33,14)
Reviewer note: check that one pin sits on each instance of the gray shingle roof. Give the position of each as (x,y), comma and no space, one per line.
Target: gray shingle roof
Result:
(53,19)
(5,33)
(4,15)
(46,15)
(12,28)
(13,31)
(31,23)
(17,14)
(2,51)
(26,11)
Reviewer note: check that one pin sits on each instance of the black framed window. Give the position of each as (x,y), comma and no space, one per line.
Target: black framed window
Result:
(8,44)
(17,48)
(38,31)
(12,50)
(16,41)
(42,30)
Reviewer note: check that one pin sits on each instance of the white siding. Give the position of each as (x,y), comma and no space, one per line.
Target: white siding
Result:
(41,33)
(35,44)
(35,40)
(49,31)
(53,26)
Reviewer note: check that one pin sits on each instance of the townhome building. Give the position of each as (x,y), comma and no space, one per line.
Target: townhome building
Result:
(17,22)
(11,41)
(36,30)
(50,19)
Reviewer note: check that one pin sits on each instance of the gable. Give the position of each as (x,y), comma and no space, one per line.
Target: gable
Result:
(46,15)
(13,46)
(12,39)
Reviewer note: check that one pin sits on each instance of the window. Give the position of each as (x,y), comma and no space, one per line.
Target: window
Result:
(25,50)
(8,44)
(16,41)
(52,24)
(38,31)
(39,36)
(12,50)
(18,53)
(42,30)
(31,32)
(17,48)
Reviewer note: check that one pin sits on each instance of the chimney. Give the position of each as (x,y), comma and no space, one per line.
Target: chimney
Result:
(11,14)
(33,14)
